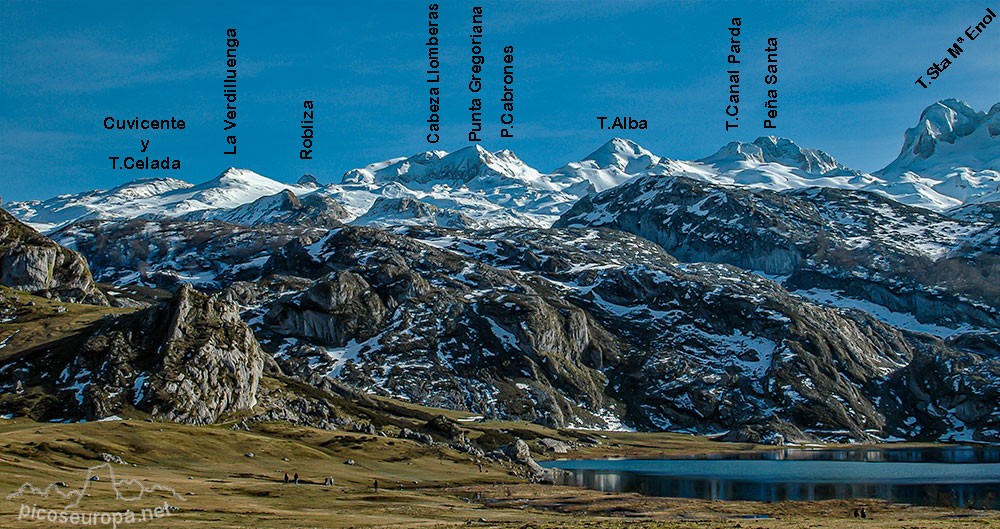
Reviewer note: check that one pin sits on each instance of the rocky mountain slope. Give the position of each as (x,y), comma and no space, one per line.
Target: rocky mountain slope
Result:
(830,244)
(951,157)
(31,262)
(205,254)
(713,343)
(765,293)
(192,360)
(285,207)
(587,327)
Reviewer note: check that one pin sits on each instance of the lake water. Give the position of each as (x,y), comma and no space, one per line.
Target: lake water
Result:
(943,476)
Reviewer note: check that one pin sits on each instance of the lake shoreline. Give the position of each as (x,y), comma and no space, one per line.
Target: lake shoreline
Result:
(967,476)
(233,479)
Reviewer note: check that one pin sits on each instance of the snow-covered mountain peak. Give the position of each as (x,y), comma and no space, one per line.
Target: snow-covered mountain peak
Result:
(613,163)
(234,187)
(307,180)
(476,161)
(618,147)
(771,149)
(471,166)
(945,121)
(470,152)
(471,160)
(146,187)
(736,151)
(952,156)
(950,121)
(506,156)
(234,176)
(626,155)
(785,151)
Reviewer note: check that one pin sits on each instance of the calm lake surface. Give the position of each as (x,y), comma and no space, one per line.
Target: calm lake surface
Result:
(945,476)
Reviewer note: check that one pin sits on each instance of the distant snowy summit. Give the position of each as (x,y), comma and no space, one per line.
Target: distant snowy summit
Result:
(949,159)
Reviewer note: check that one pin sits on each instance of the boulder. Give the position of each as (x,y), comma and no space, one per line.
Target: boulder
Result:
(31,262)
(444,426)
(424,438)
(554,445)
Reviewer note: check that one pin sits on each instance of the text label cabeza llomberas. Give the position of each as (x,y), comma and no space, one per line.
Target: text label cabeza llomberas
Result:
(733,109)
(307,131)
(229,90)
(972,33)
(433,75)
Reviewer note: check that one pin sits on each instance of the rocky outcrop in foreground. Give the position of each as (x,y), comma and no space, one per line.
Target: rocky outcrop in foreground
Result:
(191,361)
(31,262)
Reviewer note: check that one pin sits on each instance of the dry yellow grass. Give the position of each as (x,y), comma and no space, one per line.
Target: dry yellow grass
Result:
(38,323)
(420,486)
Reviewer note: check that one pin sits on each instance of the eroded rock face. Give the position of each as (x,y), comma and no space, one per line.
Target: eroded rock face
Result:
(408,211)
(565,327)
(520,453)
(210,364)
(823,242)
(191,361)
(165,254)
(334,310)
(398,317)
(31,262)
(948,393)
(596,327)
(554,445)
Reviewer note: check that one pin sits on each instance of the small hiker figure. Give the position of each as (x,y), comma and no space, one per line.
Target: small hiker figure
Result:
(864,513)
(480,467)
(376,485)
(331,481)
(296,477)
(286,478)
(857,513)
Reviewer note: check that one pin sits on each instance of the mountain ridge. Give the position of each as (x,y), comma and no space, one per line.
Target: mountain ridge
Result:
(949,159)
(721,296)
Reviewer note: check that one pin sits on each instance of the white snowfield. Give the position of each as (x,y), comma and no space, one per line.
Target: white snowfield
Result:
(949,159)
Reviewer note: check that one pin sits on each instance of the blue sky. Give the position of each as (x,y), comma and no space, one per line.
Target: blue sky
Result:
(846,73)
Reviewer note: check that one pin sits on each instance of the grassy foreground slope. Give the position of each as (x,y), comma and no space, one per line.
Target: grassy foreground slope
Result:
(30,322)
(218,485)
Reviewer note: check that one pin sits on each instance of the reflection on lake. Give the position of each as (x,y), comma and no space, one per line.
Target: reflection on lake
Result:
(945,476)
